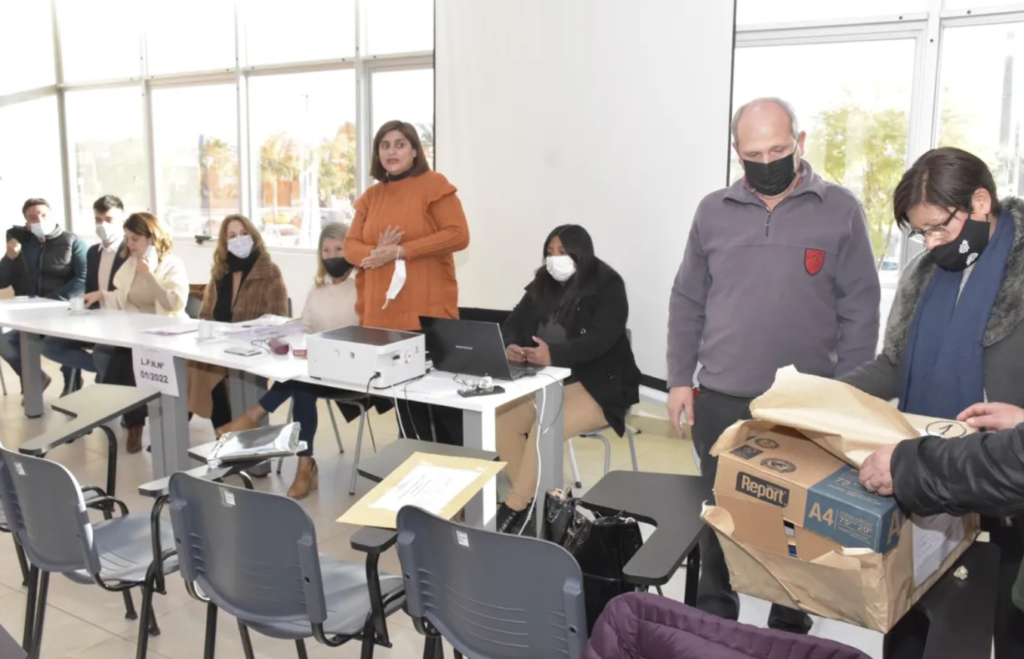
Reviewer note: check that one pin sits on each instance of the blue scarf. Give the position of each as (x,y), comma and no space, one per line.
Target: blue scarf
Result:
(944,368)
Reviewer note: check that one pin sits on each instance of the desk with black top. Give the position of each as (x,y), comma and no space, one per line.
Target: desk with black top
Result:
(672,504)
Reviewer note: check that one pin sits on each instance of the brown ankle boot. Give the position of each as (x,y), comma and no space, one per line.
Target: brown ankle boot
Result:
(134,441)
(238,425)
(307,479)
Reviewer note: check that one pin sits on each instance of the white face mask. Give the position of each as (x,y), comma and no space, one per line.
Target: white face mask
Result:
(397,282)
(240,246)
(150,255)
(108,232)
(561,268)
(38,230)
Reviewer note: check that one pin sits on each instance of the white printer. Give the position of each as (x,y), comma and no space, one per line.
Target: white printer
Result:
(354,355)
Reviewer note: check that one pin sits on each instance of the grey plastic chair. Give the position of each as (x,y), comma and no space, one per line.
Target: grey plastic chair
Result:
(47,511)
(491,595)
(254,555)
(22,561)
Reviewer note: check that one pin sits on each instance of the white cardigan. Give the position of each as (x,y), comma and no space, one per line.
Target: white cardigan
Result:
(169,274)
(330,306)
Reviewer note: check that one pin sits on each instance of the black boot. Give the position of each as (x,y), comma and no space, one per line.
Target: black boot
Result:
(516,522)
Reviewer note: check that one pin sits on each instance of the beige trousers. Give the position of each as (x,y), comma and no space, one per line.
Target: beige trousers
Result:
(516,437)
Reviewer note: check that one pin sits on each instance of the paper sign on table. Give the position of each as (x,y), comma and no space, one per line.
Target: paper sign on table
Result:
(154,370)
(174,330)
(439,484)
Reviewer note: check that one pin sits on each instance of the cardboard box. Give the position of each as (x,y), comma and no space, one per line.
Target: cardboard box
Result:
(796,527)
(806,490)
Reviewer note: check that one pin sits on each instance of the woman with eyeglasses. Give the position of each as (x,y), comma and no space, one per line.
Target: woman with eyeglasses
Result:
(955,336)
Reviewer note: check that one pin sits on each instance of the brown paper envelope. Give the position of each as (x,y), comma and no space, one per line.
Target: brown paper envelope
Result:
(363,512)
(844,421)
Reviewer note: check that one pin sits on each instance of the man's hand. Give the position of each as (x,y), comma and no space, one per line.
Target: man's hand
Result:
(515,354)
(92,298)
(142,268)
(539,356)
(381,256)
(13,248)
(876,472)
(391,236)
(680,401)
(992,416)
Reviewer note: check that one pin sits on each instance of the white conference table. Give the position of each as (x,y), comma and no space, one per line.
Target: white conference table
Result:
(168,416)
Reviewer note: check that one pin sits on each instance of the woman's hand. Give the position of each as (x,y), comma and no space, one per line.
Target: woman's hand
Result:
(142,268)
(391,236)
(515,354)
(992,416)
(92,298)
(382,256)
(539,356)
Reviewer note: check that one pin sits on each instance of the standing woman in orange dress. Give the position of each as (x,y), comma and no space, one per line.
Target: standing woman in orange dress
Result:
(407,229)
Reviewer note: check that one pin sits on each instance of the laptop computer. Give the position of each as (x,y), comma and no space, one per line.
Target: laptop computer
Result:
(470,347)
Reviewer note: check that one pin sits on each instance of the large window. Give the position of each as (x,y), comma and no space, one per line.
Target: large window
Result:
(99,39)
(106,151)
(195,139)
(302,141)
(981,94)
(774,12)
(197,109)
(29,158)
(26,46)
(407,96)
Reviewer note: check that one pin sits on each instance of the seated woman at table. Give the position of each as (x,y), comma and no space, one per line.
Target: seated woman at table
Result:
(331,303)
(573,315)
(152,281)
(245,284)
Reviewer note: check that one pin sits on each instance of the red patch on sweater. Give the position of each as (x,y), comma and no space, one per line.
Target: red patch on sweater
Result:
(814,259)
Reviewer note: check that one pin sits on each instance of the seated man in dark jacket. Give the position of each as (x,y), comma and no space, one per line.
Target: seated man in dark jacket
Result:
(981,473)
(44,260)
(103,260)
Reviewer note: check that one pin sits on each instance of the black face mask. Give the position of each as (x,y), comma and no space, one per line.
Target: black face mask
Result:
(770,179)
(965,249)
(337,268)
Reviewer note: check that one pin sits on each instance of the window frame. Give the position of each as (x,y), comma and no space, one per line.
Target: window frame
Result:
(239,75)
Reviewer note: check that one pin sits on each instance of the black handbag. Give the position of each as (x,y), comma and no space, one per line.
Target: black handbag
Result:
(601,546)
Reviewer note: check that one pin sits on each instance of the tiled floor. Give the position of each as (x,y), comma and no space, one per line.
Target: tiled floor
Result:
(86,623)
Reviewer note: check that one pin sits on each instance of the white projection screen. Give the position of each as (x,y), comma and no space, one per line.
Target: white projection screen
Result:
(612,114)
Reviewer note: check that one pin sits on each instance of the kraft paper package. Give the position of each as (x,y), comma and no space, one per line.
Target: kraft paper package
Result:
(796,526)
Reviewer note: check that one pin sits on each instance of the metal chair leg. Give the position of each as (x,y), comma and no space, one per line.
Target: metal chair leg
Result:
(334,422)
(246,641)
(145,627)
(3,382)
(40,616)
(300,647)
(30,608)
(291,417)
(632,448)
(210,647)
(359,448)
(129,606)
(22,561)
(607,453)
(577,482)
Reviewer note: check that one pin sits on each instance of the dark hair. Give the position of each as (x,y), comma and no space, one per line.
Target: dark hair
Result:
(35,201)
(558,301)
(106,202)
(946,177)
(419,163)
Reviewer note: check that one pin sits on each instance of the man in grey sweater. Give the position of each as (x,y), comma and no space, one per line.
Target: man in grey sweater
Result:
(778,271)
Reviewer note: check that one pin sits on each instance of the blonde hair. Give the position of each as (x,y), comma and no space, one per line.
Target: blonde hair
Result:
(336,230)
(147,226)
(220,255)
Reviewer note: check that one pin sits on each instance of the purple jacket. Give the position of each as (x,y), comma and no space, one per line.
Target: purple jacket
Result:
(642,626)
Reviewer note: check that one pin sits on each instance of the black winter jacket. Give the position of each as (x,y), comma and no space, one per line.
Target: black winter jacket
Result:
(54,268)
(981,473)
(597,349)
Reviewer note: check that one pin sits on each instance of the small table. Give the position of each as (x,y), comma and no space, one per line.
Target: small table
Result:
(670,502)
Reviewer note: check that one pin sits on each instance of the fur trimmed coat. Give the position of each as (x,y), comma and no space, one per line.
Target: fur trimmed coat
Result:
(1004,337)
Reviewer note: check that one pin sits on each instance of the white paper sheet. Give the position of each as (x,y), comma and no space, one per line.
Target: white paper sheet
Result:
(174,330)
(427,487)
(934,539)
